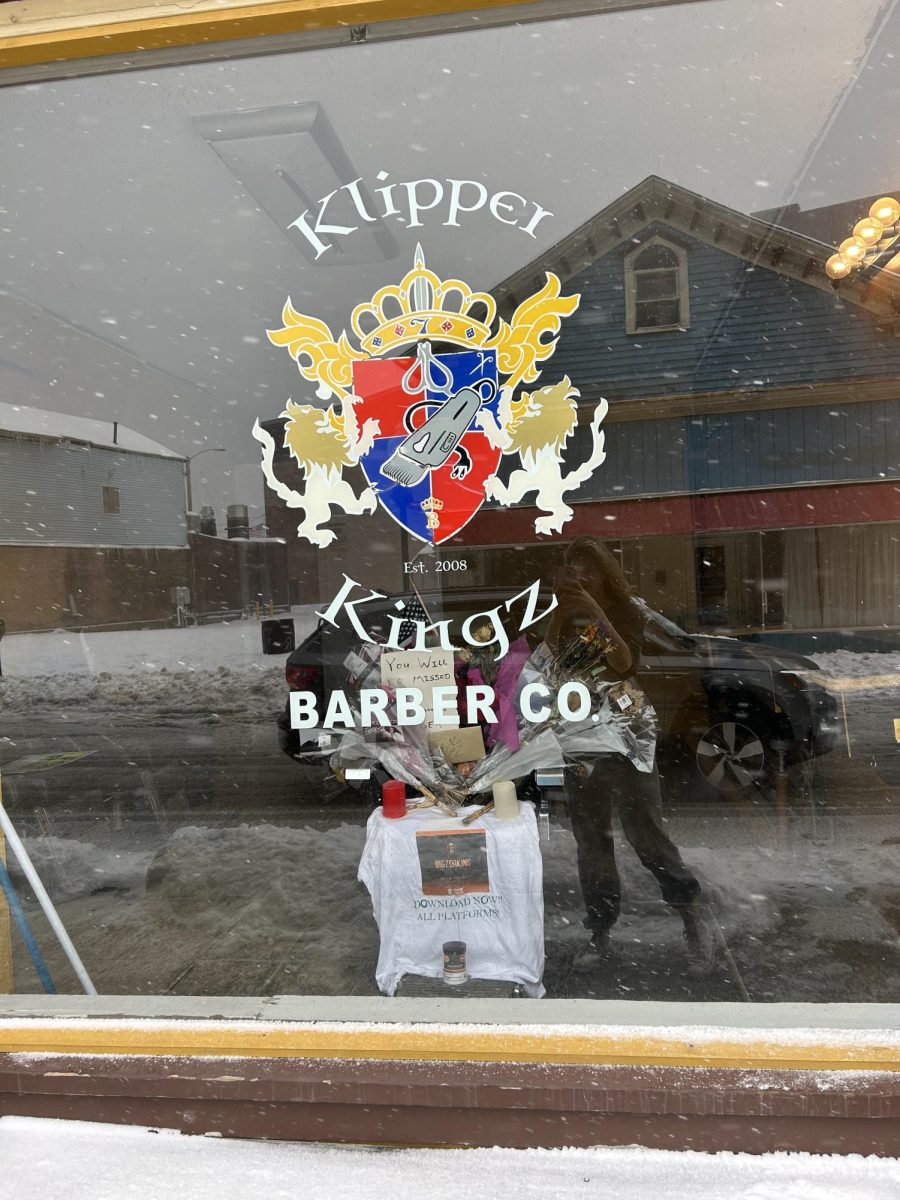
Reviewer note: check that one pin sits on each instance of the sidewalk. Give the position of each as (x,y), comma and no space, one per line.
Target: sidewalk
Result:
(68,1160)
(195,648)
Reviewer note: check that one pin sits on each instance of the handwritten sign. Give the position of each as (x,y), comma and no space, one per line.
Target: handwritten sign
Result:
(427,670)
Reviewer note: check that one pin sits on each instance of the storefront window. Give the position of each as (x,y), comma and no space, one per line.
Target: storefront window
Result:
(498,418)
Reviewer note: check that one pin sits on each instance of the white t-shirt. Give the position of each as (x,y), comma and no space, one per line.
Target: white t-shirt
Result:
(503,927)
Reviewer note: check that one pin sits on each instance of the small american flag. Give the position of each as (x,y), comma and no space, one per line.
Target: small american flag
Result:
(414,612)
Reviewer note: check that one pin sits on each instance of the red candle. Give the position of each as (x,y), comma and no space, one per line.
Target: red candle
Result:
(393,798)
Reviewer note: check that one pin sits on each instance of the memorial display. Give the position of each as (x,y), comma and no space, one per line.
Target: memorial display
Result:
(437,883)
(458,751)
(530,720)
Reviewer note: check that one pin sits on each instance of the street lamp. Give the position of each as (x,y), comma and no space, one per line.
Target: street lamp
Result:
(187,472)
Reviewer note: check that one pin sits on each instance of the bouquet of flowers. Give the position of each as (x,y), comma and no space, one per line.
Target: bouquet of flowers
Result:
(620,721)
(583,658)
(408,754)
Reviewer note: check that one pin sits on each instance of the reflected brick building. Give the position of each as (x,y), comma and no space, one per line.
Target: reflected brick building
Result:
(94,534)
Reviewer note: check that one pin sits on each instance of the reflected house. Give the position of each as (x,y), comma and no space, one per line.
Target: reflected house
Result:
(753,438)
(92,522)
(93,531)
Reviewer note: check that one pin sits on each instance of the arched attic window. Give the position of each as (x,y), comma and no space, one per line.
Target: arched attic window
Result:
(656,288)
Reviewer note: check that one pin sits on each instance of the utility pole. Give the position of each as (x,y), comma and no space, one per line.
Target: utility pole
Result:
(189,496)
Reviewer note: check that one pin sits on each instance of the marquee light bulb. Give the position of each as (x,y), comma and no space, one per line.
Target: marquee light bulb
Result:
(853,249)
(837,267)
(868,230)
(886,211)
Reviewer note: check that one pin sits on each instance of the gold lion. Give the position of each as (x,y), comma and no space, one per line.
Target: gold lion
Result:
(537,428)
(322,444)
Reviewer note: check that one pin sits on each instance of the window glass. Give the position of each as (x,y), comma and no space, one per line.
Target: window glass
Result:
(651,313)
(502,417)
(111,500)
(656,288)
(655,285)
(655,258)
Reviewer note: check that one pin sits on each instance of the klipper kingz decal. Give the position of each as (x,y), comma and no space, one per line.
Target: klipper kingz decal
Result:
(429,427)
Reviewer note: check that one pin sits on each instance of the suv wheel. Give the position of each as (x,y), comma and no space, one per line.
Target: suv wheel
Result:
(731,756)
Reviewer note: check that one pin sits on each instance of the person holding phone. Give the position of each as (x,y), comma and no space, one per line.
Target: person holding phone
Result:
(593,591)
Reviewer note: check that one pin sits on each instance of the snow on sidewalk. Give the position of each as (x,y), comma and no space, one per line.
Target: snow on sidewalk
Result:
(196,648)
(207,669)
(852,670)
(70,1160)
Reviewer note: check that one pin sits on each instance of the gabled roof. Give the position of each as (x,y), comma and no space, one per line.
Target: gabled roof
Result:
(752,239)
(23,420)
(829,223)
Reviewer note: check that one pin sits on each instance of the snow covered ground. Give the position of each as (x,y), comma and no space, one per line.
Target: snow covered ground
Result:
(69,1160)
(206,668)
(230,644)
(261,909)
(847,665)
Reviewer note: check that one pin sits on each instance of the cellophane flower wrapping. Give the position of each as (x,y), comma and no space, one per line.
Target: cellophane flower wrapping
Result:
(621,719)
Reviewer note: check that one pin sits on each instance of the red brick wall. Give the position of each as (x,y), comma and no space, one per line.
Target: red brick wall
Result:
(236,573)
(79,587)
(50,587)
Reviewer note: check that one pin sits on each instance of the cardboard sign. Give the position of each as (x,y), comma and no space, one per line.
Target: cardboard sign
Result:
(423,669)
(459,745)
(453,862)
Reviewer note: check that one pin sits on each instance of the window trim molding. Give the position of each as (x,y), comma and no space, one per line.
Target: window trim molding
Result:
(630,268)
(62,38)
(799,1036)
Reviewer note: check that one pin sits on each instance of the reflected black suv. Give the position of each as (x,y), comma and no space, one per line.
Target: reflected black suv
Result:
(743,711)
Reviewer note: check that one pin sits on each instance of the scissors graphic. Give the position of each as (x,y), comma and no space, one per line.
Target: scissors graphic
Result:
(427,373)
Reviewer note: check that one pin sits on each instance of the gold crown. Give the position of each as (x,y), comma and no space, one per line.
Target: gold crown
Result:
(423,310)
(421,306)
(432,504)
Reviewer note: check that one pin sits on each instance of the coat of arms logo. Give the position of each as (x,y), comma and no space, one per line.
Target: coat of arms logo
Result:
(426,403)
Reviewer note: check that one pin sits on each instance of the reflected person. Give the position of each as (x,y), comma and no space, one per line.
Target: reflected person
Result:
(594,592)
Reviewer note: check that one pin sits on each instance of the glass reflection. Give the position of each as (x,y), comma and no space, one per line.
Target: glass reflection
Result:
(728,564)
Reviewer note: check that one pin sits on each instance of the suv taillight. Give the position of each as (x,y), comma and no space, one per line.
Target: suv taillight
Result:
(302,679)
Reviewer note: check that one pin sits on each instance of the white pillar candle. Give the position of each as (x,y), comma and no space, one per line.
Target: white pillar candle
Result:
(506,804)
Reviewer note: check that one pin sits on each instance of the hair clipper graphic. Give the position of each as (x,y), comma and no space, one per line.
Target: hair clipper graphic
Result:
(429,446)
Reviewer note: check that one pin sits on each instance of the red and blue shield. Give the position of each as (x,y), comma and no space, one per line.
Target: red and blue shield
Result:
(429,462)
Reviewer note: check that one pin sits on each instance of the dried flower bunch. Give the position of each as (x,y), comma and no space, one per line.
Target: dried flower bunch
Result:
(583,657)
